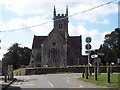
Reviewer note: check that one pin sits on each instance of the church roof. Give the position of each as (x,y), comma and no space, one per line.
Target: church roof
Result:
(74,41)
(37,41)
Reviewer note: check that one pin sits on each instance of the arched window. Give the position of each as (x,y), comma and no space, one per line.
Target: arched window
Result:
(52,53)
(60,26)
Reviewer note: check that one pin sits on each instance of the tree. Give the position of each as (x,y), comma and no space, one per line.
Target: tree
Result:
(16,56)
(111,46)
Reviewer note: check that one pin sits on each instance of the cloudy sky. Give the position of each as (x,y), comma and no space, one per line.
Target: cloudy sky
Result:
(16,14)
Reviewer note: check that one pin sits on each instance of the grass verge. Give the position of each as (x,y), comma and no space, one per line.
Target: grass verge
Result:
(102,80)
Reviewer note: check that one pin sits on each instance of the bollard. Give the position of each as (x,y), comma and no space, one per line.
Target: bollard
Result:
(111,70)
(11,71)
(86,72)
(5,72)
(99,70)
(108,74)
(83,72)
(5,80)
(91,71)
(95,70)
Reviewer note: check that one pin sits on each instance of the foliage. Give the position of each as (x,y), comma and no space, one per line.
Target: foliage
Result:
(16,56)
(102,80)
(111,47)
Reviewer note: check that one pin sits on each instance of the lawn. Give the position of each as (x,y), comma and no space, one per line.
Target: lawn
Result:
(102,80)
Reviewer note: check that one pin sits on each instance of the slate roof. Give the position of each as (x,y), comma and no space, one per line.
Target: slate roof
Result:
(37,41)
(74,41)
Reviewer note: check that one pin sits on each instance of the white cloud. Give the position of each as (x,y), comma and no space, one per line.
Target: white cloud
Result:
(93,15)
(23,7)
(18,23)
(97,37)
(105,21)
(3,49)
(28,6)
(2,25)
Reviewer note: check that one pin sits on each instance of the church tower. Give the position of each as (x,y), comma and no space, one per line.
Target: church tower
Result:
(61,23)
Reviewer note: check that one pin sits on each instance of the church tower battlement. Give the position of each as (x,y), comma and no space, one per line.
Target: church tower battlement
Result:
(60,20)
(61,23)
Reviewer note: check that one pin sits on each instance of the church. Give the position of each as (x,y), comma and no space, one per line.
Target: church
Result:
(58,49)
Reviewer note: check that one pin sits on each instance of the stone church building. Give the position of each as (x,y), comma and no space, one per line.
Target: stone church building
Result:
(58,49)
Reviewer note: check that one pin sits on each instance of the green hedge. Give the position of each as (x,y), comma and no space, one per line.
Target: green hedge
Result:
(77,69)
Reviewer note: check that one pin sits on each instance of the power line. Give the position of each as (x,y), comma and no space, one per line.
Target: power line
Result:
(62,18)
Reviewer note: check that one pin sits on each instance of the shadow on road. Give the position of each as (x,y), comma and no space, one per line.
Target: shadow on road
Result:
(4,87)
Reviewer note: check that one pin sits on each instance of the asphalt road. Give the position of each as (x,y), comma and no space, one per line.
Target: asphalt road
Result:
(52,81)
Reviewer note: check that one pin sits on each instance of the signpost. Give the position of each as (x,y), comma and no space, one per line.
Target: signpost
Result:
(88,39)
(88,47)
(118,61)
(97,59)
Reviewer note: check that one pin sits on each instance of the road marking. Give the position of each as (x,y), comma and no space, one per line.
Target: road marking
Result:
(81,86)
(29,84)
(50,84)
(68,81)
(68,78)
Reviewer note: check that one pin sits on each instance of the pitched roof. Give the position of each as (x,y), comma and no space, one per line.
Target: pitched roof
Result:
(74,41)
(37,41)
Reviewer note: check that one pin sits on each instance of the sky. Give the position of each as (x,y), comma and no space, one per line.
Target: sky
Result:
(17,14)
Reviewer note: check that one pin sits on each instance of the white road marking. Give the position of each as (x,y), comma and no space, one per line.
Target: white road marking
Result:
(29,84)
(50,84)
(68,81)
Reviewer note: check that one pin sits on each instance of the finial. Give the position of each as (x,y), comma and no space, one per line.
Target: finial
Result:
(54,13)
(67,9)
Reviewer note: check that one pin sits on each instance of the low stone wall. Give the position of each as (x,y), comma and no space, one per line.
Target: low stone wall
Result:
(39,70)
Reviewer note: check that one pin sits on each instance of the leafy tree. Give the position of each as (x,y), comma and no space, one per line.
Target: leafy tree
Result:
(16,56)
(111,46)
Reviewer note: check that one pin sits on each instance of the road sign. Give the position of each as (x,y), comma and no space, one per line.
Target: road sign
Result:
(87,51)
(88,39)
(101,54)
(88,46)
(118,60)
(94,56)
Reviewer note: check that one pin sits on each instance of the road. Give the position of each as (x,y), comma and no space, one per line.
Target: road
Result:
(52,81)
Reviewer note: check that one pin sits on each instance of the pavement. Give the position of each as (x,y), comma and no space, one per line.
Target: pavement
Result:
(52,81)
(5,85)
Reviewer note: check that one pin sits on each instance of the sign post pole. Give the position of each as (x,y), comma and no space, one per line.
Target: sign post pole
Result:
(88,47)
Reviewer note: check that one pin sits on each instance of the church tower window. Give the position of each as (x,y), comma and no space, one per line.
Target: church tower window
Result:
(60,26)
